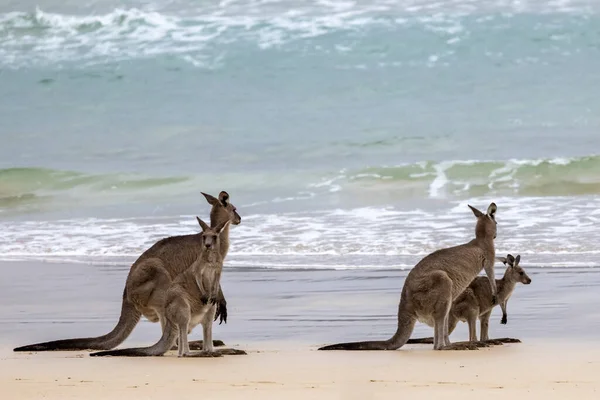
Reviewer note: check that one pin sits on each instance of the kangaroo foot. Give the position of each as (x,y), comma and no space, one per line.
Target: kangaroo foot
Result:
(508,340)
(231,352)
(482,343)
(461,346)
(425,340)
(493,342)
(198,344)
(204,354)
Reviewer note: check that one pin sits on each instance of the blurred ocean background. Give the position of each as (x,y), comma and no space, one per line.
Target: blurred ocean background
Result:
(349,134)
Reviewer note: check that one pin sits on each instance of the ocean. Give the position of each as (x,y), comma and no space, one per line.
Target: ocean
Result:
(349,134)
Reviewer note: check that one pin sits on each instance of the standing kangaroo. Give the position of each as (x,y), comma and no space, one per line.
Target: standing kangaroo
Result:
(432,285)
(189,300)
(476,302)
(173,254)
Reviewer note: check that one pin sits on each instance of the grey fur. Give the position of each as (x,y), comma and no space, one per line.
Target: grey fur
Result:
(171,255)
(475,302)
(433,284)
(188,301)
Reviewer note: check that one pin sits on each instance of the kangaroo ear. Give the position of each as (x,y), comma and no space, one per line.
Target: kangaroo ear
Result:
(224,198)
(510,259)
(503,260)
(202,224)
(475,211)
(517,259)
(222,226)
(211,199)
(491,211)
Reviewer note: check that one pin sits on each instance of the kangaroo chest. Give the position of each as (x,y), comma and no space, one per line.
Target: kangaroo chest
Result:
(208,282)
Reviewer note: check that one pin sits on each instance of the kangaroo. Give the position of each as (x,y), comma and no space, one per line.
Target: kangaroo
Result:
(432,285)
(475,302)
(173,254)
(189,300)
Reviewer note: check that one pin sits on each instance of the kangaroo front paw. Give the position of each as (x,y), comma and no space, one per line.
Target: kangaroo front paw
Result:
(221,312)
(504,320)
(213,300)
(204,299)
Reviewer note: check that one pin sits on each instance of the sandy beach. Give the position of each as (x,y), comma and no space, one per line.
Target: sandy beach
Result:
(538,370)
(281,318)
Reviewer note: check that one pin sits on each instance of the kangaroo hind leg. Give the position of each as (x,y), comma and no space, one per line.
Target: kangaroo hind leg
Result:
(207,342)
(440,302)
(442,290)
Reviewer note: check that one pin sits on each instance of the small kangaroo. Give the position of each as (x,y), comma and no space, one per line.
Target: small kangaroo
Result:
(475,302)
(174,254)
(189,300)
(433,284)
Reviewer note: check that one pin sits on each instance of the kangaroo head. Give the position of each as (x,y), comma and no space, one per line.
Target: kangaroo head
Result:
(514,272)
(486,223)
(222,209)
(210,235)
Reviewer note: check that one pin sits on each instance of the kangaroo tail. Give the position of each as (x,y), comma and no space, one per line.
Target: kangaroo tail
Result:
(406,324)
(129,318)
(425,340)
(167,340)
(373,345)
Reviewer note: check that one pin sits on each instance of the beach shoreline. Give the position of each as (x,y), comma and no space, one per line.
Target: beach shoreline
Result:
(48,301)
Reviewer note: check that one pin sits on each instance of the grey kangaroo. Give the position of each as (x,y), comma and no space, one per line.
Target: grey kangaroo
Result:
(173,254)
(188,301)
(433,284)
(475,302)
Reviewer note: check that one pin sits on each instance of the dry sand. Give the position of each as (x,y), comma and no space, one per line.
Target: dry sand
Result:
(542,369)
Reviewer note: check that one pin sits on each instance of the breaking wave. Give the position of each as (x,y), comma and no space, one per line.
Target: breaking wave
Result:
(194,34)
(33,188)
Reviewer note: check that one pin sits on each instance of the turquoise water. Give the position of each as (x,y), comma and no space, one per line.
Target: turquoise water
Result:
(349,133)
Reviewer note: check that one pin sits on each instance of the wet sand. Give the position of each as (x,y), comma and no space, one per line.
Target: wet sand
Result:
(46,301)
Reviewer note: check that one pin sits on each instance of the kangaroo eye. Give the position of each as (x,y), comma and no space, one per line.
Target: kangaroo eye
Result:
(521,273)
